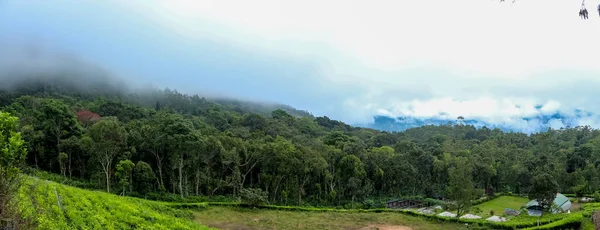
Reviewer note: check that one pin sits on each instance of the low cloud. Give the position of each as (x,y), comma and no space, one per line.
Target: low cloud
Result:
(427,60)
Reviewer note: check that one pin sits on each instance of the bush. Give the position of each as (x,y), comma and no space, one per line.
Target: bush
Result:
(369,204)
(571,222)
(253,196)
(596,196)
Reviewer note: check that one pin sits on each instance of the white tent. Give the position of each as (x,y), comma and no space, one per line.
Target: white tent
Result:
(496,219)
(447,214)
(470,216)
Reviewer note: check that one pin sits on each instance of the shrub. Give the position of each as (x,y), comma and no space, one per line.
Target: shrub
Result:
(368,204)
(253,196)
(596,196)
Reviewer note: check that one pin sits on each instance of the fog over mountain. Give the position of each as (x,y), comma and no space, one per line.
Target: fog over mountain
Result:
(362,63)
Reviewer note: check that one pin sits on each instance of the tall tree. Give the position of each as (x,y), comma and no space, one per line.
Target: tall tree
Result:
(460,186)
(143,178)
(123,174)
(59,121)
(543,189)
(109,139)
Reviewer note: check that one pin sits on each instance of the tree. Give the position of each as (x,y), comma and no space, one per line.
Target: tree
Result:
(123,174)
(543,189)
(152,132)
(58,122)
(180,142)
(460,186)
(71,146)
(143,177)
(87,118)
(62,161)
(352,173)
(12,157)
(109,138)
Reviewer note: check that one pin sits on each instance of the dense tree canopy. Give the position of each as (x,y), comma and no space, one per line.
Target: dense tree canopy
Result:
(168,142)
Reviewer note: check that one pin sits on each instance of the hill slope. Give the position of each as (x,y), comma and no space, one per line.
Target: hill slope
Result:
(55,206)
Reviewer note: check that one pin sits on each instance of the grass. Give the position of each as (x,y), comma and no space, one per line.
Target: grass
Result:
(499,204)
(245,218)
(55,206)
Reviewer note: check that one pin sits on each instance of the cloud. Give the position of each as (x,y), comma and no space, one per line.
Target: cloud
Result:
(350,60)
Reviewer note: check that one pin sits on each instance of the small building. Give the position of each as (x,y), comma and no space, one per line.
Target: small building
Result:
(560,204)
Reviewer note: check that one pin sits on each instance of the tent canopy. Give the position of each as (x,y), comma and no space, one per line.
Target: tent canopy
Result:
(561,203)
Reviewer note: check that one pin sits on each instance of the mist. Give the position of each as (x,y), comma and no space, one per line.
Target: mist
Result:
(348,69)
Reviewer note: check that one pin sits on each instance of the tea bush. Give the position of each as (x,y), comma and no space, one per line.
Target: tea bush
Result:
(56,206)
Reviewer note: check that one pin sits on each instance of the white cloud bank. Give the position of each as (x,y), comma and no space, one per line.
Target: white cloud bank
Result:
(478,59)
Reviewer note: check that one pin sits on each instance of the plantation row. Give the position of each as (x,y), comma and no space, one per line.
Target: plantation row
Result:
(50,205)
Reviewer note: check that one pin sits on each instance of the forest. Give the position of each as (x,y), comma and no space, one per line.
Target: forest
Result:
(162,144)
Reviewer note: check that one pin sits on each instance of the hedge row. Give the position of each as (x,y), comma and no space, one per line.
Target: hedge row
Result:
(196,206)
(572,222)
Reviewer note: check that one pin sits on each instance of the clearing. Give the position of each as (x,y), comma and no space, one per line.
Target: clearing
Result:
(499,204)
(244,218)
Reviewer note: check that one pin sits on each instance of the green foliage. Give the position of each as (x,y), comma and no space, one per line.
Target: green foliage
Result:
(62,160)
(460,188)
(12,157)
(123,174)
(143,177)
(253,197)
(572,222)
(543,190)
(109,139)
(596,196)
(85,184)
(56,206)
(207,149)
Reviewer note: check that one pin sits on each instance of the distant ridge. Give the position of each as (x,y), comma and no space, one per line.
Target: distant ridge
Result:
(530,124)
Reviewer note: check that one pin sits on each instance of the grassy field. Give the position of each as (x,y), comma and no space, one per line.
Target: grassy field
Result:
(243,218)
(55,206)
(499,204)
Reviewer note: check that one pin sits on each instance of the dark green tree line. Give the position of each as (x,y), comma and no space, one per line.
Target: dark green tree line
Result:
(167,142)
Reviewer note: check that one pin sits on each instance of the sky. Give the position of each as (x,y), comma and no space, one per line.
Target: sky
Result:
(510,65)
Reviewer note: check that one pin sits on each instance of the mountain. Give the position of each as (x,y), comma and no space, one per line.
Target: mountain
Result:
(526,124)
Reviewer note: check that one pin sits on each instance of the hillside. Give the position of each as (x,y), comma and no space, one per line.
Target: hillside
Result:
(185,146)
(97,85)
(49,205)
